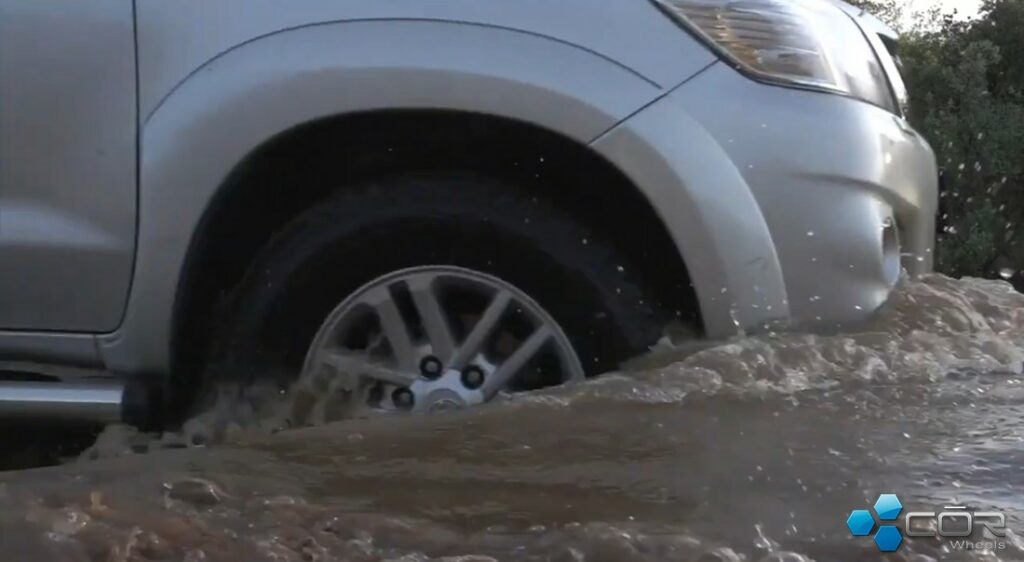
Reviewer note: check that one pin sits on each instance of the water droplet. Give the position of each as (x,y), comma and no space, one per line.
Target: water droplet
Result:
(1006,273)
(977,166)
(620,268)
(961,166)
(585,242)
(810,233)
(858,307)
(981,136)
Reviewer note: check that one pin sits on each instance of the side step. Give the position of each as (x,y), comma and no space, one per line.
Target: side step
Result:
(86,401)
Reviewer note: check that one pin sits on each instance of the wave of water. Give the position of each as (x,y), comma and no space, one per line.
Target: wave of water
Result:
(749,450)
(929,331)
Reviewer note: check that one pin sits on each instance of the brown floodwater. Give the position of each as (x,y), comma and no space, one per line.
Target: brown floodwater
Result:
(749,450)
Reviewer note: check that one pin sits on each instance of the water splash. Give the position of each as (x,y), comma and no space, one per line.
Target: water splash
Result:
(751,450)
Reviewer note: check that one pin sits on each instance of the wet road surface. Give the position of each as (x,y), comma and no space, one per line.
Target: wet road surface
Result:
(755,449)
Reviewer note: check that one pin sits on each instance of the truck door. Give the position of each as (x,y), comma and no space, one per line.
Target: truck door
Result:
(67,163)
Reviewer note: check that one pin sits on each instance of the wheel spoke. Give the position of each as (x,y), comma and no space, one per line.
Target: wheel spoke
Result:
(435,323)
(508,369)
(481,330)
(357,366)
(440,354)
(395,330)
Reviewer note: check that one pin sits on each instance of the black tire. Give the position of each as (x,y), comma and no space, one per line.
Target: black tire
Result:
(331,250)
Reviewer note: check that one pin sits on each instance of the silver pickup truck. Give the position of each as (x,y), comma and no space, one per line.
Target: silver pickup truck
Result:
(434,201)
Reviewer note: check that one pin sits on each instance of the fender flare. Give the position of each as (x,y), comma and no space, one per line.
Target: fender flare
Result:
(716,223)
(244,97)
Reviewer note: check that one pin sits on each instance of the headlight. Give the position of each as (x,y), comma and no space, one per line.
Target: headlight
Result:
(805,43)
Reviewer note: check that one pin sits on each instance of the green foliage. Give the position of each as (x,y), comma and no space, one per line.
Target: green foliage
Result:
(889,11)
(966,80)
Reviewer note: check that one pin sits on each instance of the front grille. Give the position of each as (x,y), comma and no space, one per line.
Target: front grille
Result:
(942,215)
(893,47)
(898,82)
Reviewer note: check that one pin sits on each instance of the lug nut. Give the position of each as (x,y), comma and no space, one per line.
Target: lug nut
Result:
(403,398)
(473,377)
(431,367)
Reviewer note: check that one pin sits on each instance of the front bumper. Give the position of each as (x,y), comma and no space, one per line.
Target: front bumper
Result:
(807,204)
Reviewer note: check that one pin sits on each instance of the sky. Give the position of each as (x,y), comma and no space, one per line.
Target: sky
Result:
(965,8)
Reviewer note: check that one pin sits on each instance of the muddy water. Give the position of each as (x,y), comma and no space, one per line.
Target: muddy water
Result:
(756,449)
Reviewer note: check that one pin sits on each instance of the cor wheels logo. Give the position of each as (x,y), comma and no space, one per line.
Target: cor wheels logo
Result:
(954,523)
(862,523)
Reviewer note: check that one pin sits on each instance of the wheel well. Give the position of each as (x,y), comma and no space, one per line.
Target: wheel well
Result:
(299,167)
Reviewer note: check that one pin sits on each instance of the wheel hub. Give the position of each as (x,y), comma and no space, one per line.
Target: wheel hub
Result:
(444,401)
(438,338)
(444,394)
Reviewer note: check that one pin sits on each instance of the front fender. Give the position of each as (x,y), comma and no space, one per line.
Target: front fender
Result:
(710,212)
(231,105)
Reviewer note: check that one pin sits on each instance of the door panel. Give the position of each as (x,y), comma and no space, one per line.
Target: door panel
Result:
(67,163)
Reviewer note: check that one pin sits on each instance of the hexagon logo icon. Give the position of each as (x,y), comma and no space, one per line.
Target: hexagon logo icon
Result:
(888,507)
(860,522)
(888,538)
